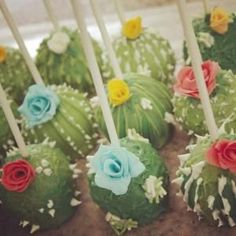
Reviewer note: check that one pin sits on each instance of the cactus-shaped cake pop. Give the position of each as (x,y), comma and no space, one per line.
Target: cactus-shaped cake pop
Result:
(129,183)
(215,34)
(60,114)
(207,179)
(221,86)
(143,50)
(14,74)
(60,59)
(39,190)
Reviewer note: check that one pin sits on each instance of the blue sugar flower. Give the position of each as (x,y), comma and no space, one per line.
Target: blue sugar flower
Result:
(114,167)
(39,106)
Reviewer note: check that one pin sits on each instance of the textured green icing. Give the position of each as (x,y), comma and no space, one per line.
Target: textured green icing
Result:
(224,49)
(73,127)
(14,75)
(70,67)
(59,188)
(149,123)
(150,54)
(134,205)
(189,113)
(209,186)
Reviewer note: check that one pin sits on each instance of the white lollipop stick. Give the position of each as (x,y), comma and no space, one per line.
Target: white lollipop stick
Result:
(51,15)
(196,62)
(34,71)
(106,39)
(94,69)
(205,6)
(120,11)
(12,123)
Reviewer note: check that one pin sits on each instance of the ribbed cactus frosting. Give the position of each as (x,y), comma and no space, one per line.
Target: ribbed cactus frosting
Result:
(146,197)
(208,190)
(51,198)
(14,74)
(149,54)
(144,111)
(69,66)
(188,111)
(215,46)
(72,128)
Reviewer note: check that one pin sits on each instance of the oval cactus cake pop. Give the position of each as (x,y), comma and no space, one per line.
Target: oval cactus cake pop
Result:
(141,103)
(207,179)
(221,86)
(141,50)
(39,190)
(61,59)
(215,33)
(14,74)
(128,182)
(60,114)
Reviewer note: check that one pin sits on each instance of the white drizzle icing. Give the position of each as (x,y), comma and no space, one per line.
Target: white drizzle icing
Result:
(196,171)
(210,201)
(197,207)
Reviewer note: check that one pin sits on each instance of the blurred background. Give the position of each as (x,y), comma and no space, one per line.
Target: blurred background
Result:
(32,11)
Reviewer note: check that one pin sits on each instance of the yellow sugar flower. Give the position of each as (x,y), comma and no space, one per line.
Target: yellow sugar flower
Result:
(118,92)
(219,20)
(133,28)
(3,54)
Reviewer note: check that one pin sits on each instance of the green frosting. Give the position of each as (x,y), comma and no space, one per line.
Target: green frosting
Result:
(149,54)
(69,67)
(14,74)
(72,128)
(223,49)
(134,205)
(149,122)
(188,111)
(48,201)
(208,190)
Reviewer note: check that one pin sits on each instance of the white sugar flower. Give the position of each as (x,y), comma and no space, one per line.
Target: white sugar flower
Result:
(146,104)
(59,42)
(206,39)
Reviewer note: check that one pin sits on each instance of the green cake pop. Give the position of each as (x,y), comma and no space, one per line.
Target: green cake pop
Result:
(39,190)
(129,182)
(187,105)
(60,114)
(144,51)
(215,32)
(141,103)
(14,74)
(60,59)
(207,179)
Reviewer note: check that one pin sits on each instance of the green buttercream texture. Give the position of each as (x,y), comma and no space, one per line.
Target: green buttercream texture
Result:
(148,123)
(149,54)
(14,75)
(209,186)
(224,49)
(188,111)
(73,127)
(6,138)
(70,67)
(59,188)
(134,205)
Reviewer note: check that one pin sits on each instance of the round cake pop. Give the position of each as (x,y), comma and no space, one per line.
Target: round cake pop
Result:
(128,182)
(141,103)
(215,33)
(14,74)
(141,50)
(207,179)
(61,59)
(62,115)
(221,88)
(39,190)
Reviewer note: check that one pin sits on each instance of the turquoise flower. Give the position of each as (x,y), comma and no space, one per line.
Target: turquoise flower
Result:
(39,106)
(114,167)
